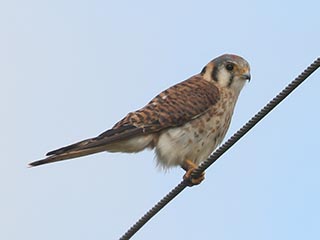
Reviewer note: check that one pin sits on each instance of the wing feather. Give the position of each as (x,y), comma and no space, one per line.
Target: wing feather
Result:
(175,106)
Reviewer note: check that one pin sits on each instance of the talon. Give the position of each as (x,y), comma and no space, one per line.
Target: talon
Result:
(189,167)
(193,181)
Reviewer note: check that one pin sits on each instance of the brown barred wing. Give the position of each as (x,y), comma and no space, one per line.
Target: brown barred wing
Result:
(175,106)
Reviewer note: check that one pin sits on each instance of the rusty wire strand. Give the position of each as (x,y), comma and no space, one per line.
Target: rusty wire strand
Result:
(223,148)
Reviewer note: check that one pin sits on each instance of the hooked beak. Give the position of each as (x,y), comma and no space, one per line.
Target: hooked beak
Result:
(246,76)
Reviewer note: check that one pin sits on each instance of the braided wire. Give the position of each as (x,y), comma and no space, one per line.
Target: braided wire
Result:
(223,148)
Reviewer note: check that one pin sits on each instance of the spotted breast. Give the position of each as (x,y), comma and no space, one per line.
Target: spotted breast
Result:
(198,138)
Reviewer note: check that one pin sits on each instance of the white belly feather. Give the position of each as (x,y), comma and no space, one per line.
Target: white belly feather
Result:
(193,141)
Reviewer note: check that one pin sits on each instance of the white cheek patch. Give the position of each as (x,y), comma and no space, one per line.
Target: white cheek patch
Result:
(224,80)
(223,77)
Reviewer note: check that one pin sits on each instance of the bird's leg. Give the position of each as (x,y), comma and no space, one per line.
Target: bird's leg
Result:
(189,167)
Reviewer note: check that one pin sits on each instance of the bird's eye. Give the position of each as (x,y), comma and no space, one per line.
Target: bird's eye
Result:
(229,66)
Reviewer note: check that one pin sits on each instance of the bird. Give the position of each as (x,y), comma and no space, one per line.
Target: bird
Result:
(184,124)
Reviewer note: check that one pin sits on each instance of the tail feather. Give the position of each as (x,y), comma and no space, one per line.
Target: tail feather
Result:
(72,147)
(108,137)
(67,155)
(103,142)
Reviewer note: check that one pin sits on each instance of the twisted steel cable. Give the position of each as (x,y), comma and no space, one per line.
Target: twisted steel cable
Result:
(223,148)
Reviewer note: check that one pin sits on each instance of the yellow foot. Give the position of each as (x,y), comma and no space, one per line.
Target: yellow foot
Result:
(189,167)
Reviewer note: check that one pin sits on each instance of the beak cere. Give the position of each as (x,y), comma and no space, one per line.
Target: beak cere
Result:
(246,76)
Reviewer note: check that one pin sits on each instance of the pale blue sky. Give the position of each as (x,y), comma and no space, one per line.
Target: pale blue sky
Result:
(71,69)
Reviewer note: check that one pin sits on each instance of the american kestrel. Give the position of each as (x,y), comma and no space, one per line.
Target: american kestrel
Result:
(184,123)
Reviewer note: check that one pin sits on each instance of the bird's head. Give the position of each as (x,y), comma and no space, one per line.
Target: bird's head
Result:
(228,70)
